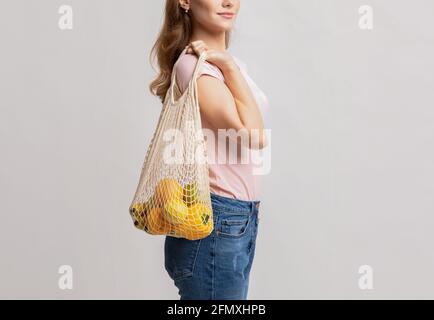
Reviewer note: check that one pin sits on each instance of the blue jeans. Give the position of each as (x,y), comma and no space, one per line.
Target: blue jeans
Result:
(216,267)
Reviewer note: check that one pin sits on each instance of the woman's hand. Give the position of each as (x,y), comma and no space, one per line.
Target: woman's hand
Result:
(221,59)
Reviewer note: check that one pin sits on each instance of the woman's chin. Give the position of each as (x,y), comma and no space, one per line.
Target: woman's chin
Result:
(225,27)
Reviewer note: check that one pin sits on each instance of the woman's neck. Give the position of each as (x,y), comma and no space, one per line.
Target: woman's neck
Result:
(212,40)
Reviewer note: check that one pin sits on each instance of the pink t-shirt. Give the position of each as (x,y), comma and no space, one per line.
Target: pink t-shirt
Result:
(233,179)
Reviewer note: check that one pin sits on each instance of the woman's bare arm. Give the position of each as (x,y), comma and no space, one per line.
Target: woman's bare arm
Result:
(231,105)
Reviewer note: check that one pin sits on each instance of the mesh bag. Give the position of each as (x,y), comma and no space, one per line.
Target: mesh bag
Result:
(173,196)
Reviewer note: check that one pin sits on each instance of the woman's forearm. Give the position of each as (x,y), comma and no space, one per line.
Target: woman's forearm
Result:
(247,107)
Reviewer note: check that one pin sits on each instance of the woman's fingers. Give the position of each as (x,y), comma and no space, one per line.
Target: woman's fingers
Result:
(197,47)
(197,42)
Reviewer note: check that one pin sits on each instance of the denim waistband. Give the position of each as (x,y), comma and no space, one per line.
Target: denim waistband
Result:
(234,205)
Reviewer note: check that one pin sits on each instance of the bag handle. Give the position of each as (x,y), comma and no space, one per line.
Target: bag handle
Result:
(199,63)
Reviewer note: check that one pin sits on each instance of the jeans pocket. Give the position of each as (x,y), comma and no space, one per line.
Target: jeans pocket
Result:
(180,256)
(234,226)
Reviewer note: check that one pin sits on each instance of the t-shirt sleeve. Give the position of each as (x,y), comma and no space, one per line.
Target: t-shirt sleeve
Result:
(185,67)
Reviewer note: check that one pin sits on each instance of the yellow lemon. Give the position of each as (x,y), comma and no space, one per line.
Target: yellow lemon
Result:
(136,208)
(179,230)
(193,232)
(155,222)
(167,189)
(200,232)
(190,192)
(197,224)
(200,220)
(137,212)
(175,211)
(139,224)
(199,214)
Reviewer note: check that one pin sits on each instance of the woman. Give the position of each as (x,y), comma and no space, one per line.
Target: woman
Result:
(218,266)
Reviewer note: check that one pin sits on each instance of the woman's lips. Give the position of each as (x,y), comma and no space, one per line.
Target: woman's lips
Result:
(226,15)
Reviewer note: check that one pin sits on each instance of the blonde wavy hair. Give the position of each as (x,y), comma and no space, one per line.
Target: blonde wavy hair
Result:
(173,37)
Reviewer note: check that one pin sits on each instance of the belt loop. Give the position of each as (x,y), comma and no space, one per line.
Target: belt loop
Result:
(254,207)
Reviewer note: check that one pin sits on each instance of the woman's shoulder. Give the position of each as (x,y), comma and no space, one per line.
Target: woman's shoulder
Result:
(185,66)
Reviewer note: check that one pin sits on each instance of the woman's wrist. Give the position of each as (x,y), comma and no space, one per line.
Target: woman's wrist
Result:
(229,66)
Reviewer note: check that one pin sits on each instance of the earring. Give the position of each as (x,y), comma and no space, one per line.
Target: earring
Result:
(186,10)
